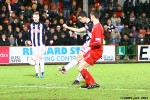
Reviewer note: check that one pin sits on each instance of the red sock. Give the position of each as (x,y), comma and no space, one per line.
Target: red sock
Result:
(87,76)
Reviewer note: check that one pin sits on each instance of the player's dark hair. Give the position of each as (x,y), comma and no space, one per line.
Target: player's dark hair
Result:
(95,12)
(82,14)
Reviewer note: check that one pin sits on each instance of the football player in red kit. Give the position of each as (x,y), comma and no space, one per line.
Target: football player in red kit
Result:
(95,53)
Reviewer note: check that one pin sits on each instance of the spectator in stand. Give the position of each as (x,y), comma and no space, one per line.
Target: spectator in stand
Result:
(60,16)
(21,10)
(54,41)
(132,39)
(143,20)
(52,33)
(70,23)
(12,40)
(61,22)
(115,37)
(141,39)
(9,30)
(15,23)
(47,41)
(20,41)
(73,39)
(118,11)
(110,11)
(2,30)
(80,24)
(105,18)
(106,35)
(12,17)
(124,19)
(43,17)
(28,13)
(56,3)
(120,27)
(142,31)
(53,14)
(73,6)
(63,39)
(40,5)
(58,31)
(67,35)
(113,3)
(127,7)
(54,23)
(34,7)
(16,32)
(8,6)
(73,17)
(16,5)
(47,10)
(25,33)
(137,7)
(78,10)
(3,13)
(21,20)
(132,20)
(66,8)
(115,21)
(4,40)
(4,10)
(110,26)
(134,31)
(47,27)
(125,30)
(101,10)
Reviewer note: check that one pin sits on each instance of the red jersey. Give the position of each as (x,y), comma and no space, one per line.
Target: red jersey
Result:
(96,44)
(97,36)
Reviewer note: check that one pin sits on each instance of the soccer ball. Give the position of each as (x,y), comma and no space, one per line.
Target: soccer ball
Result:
(32,60)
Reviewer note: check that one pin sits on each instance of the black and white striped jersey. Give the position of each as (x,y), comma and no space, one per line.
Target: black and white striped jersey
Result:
(88,26)
(37,34)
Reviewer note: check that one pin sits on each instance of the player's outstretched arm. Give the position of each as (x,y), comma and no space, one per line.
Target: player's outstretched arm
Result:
(75,29)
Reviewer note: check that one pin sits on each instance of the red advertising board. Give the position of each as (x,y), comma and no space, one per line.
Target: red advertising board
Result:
(4,55)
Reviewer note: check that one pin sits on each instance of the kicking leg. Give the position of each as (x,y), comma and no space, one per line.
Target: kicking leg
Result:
(72,63)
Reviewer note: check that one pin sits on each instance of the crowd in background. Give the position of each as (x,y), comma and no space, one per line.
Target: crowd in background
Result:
(123,25)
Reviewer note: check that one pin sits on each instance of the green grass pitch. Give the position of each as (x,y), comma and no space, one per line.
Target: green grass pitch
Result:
(118,82)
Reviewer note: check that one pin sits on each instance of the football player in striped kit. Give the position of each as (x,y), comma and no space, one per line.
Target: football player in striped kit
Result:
(37,40)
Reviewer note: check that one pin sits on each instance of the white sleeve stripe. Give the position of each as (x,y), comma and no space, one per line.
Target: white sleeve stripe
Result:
(97,39)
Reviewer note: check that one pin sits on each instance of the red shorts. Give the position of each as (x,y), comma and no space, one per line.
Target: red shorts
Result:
(92,56)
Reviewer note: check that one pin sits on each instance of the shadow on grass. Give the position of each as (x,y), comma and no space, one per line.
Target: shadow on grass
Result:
(29,75)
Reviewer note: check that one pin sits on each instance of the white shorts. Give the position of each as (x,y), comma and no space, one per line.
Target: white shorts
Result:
(39,50)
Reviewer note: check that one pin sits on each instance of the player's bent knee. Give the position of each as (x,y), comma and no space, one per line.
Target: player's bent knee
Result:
(79,69)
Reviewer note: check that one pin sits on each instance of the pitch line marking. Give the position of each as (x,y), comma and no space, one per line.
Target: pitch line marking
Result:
(32,86)
(58,87)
